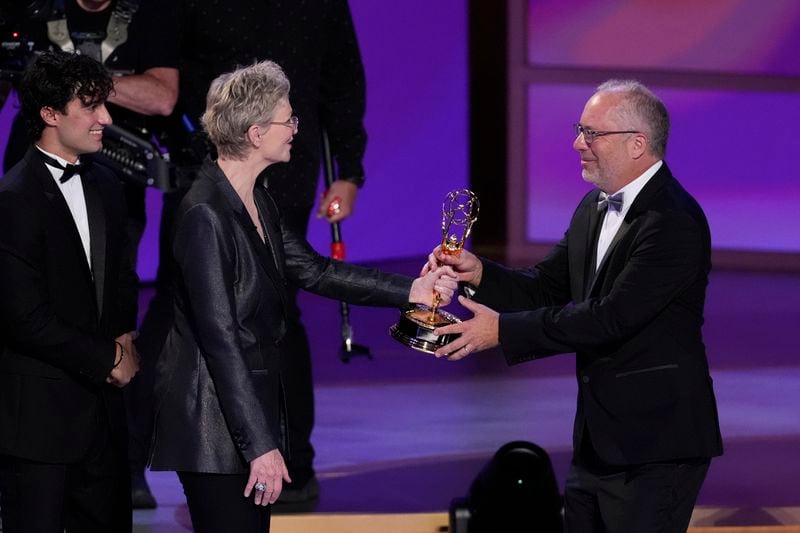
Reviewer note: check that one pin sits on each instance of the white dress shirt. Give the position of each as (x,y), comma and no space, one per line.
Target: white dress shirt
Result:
(76,201)
(613,219)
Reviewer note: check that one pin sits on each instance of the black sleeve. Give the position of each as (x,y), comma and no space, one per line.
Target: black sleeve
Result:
(507,290)
(343,93)
(321,275)
(666,259)
(342,281)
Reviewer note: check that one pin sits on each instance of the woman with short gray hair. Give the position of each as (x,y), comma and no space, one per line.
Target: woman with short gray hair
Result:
(220,416)
(240,99)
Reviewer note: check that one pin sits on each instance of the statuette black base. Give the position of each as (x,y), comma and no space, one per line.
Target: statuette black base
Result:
(415,329)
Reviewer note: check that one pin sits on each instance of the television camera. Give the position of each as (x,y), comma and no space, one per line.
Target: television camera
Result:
(166,160)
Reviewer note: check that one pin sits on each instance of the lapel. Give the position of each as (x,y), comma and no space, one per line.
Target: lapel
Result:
(274,246)
(97,231)
(269,217)
(267,261)
(588,227)
(58,205)
(639,206)
(599,271)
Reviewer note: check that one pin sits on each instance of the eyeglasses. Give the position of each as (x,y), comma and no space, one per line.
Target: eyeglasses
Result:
(589,136)
(293,123)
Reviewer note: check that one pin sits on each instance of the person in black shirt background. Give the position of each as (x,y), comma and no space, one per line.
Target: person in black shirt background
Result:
(315,43)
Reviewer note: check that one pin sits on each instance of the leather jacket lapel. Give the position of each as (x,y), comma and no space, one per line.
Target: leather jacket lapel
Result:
(263,250)
(269,217)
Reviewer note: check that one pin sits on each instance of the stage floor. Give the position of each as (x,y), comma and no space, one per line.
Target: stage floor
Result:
(405,433)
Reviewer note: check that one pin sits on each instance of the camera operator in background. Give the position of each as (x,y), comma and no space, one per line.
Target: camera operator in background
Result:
(138,42)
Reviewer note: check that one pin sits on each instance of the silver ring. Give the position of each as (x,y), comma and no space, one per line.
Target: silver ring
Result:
(466,348)
(260,487)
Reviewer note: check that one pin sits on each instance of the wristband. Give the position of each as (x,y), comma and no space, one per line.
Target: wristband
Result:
(358,181)
(121,355)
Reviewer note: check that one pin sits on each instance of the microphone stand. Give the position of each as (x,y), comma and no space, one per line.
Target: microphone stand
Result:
(349,348)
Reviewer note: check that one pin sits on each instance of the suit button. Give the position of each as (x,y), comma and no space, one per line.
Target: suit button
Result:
(585,379)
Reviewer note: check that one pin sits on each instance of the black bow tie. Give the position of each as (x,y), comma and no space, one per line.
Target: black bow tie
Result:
(613,202)
(69,170)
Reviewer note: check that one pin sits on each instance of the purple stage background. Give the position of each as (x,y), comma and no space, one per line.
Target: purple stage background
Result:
(719,66)
(725,148)
(6,114)
(734,36)
(415,57)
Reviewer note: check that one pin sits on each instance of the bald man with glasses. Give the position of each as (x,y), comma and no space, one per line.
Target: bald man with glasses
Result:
(624,290)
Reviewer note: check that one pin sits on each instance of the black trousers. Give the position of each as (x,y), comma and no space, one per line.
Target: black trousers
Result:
(655,497)
(216,504)
(91,495)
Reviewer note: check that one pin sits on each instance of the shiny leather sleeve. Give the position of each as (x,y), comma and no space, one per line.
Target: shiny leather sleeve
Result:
(341,281)
(206,253)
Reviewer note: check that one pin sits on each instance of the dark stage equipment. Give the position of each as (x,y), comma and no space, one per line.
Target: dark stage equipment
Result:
(515,492)
(349,349)
(164,155)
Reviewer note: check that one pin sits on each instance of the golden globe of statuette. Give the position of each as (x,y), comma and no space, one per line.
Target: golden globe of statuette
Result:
(415,327)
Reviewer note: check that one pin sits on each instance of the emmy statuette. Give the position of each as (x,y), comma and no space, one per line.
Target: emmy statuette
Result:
(416,324)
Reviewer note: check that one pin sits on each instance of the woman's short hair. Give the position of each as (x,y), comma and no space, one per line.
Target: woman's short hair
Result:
(237,100)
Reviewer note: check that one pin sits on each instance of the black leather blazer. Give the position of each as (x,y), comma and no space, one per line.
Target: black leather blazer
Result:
(645,393)
(218,388)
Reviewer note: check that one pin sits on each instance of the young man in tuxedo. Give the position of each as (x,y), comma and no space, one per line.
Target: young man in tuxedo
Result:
(624,290)
(138,41)
(67,312)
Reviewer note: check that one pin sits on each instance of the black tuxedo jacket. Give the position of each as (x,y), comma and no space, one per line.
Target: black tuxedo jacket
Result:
(58,317)
(218,387)
(645,393)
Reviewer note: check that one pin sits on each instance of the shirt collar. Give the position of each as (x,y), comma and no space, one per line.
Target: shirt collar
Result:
(633,189)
